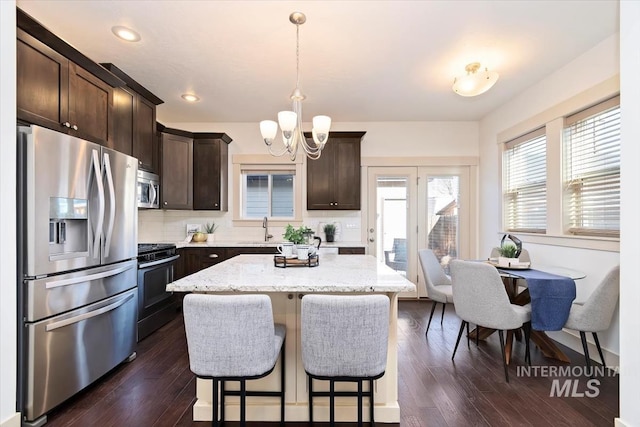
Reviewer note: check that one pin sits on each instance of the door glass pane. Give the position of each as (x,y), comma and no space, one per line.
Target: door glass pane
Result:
(392,222)
(443,195)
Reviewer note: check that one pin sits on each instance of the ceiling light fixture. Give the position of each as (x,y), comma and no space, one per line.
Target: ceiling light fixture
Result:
(189,97)
(126,34)
(474,82)
(291,121)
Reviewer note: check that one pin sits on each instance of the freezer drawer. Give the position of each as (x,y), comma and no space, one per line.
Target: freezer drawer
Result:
(70,351)
(53,295)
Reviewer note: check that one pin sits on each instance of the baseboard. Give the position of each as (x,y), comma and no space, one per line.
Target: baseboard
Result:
(573,341)
(12,421)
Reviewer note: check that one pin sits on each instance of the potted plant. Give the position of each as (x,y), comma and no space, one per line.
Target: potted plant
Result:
(329,231)
(210,229)
(507,255)
(298,235)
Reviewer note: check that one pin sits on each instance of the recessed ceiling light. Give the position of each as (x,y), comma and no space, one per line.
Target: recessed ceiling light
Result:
(189,97)
(126,34)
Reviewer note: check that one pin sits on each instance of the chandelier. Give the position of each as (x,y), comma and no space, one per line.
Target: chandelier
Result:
(475,82)
(291,121)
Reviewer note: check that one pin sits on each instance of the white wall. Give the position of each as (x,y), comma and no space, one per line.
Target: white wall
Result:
(630,239)
(382,139)
(8,415)
(566,83)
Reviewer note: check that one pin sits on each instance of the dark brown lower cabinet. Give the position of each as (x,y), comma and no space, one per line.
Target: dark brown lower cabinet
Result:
(351,251)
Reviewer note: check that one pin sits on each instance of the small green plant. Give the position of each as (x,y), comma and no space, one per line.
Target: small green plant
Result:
(329,228)
(508,251)
(296,235)
(210,228)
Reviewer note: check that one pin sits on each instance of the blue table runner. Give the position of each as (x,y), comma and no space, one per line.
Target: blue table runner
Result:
(551,297)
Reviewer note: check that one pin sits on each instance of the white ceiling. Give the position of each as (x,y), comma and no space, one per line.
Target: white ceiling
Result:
(359,60)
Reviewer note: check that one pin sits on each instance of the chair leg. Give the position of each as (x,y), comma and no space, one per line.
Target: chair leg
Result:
(332,403)
(282,383)
(371,404)
(527,336)
(444,305)
(458,340)
(243,402)
(310,399)
(222,400)
(467,334)
(583,338)
(214,403)
(504,359)
(433,308)
(359,403)
(595,338)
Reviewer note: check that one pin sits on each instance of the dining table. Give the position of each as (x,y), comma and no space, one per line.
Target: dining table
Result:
(551,291)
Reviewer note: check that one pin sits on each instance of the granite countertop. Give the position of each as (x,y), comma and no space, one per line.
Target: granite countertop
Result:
(257,273)
(258,244)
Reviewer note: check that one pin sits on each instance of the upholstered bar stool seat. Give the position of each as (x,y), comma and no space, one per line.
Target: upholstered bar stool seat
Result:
(344,339)
(234,338)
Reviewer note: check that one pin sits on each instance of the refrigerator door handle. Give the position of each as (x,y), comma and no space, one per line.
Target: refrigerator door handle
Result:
(112,205)
(98,231)
(75,319)
(87,278)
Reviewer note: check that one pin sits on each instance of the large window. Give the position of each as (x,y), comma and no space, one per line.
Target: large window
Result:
(525,183)
(268,193)
(592,170)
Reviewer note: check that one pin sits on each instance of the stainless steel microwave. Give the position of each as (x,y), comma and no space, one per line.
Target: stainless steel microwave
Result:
(148,190)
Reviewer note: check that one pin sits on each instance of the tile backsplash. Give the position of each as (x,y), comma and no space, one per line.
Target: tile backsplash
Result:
(158,225)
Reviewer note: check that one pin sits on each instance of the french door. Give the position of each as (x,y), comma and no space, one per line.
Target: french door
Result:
(412,208)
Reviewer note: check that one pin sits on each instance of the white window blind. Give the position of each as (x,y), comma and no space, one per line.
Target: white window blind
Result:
(268,193)
(592,170)
(524,169)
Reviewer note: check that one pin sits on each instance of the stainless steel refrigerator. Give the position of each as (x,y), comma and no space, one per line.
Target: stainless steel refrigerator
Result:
(77,294)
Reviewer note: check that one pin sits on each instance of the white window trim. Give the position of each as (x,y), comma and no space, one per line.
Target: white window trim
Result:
(263,162)
(553,119)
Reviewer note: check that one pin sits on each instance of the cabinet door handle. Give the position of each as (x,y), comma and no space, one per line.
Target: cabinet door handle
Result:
(213,256)
(66,124)
(75,127)
(165,203)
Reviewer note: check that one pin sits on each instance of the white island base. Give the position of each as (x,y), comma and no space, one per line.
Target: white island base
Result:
(337,274)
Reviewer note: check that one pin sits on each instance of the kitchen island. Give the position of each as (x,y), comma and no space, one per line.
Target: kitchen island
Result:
(335,274)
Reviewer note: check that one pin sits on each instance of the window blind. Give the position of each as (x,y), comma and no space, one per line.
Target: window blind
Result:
(525,183)
(592,170)
(268,193)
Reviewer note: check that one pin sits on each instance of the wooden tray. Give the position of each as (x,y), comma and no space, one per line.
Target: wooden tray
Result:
(283,262)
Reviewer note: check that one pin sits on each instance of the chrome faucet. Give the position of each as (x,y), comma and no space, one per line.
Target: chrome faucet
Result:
(265,225)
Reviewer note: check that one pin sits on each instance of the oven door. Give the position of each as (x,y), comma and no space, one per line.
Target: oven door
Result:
(156,306)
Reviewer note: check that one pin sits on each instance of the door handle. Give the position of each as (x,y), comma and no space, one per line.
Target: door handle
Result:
(371,239)
(112,207)
(56,325)
(98,231)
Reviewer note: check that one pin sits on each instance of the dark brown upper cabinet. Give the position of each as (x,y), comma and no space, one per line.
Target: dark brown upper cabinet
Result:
(210,171)
(134,119)
(194,170)
(333,180)
(176,188)
(59,88)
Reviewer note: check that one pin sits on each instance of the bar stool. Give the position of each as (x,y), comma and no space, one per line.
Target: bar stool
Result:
(344,339)
(233,338)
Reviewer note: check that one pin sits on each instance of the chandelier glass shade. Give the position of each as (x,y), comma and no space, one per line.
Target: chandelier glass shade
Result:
(291,121)
(475,82)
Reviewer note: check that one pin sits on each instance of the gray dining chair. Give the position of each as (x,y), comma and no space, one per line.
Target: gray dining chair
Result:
(479,297)
(344,339)
(437,282)
(233,338)
(594,315)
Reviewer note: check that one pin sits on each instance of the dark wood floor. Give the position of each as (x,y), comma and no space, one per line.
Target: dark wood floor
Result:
(157,389)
